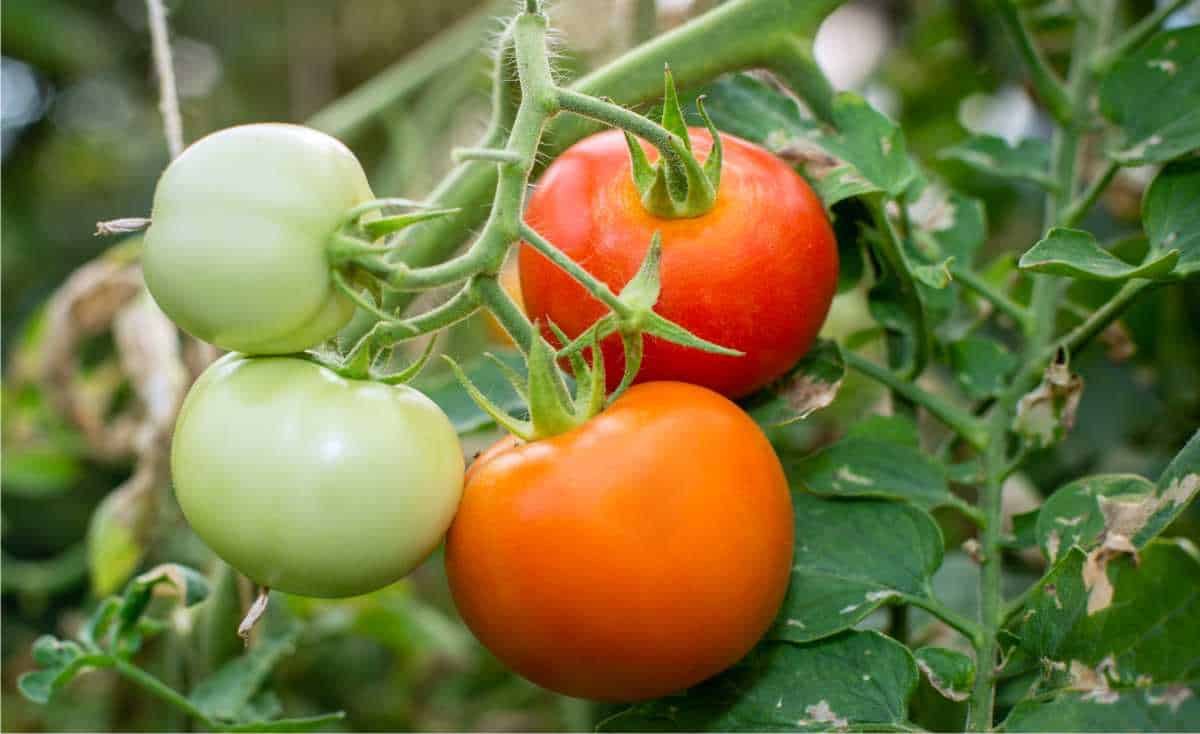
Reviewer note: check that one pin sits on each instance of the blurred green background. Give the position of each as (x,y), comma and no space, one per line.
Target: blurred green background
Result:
(82,142)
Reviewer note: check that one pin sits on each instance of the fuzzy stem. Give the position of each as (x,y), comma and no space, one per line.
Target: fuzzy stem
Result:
(972,280)
(492,296)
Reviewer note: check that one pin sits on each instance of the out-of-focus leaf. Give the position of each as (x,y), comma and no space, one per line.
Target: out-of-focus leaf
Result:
(1074,253)
(1154,96)
(170,579)
(303,723)
(58,662)
(806,388)
(992,155)
(981,366)
(118,533)
(226,694)
(853,556)
(857,679)
(951,673)
(947,224)
(1171,217)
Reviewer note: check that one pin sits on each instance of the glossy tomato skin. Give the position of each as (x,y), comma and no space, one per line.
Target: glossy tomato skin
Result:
(311,483)
(756,273)
(236,249)
(632,557)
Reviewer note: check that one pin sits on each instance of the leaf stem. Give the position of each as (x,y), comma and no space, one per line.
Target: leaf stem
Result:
(1049,86)
(968,426)
(969,628)
(163,691)
(492,296)
(974,282)
(1078,208)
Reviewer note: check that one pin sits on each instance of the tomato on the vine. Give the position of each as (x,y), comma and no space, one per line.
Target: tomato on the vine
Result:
(236,249)
(311,483)
(634,556)
(756,273)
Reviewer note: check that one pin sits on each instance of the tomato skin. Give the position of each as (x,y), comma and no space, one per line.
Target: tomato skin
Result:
(236,249)
(311,483)
(632,557)
(757,273)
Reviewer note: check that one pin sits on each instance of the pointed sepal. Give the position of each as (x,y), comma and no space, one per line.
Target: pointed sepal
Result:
(549,413)
(517,427)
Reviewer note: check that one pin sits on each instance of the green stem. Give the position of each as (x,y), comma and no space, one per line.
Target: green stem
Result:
(492,296)
(163,691)
(1045,81)
(1078,208)
(740,34)
(969,628)
(617,116)
(960,421)
(974,282)
(596,287)
(1134,37)
(890,248)
(1038,351)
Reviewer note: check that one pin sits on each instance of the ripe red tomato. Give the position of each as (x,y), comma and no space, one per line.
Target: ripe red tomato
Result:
(632,557)
(756,273)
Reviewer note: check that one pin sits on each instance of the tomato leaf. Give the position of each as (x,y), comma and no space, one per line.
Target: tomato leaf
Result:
(868,466)
(1074,253)
(857,679)
(1143,645)
(808,387)
(1174,707)
(992,155)
(981,366)
(951,673)
(1171,216)
(853,556)
(1154,96)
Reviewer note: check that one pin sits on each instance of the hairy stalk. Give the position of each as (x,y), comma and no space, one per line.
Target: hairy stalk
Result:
(1038,349)
(739,34)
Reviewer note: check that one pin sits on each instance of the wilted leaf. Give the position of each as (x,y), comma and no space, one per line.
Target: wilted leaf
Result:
(806,388)
(1047,413)
(1073,516)
(1170,214)
(859,680)
(853,556)
(1074,253)
(992,155)
(1154,96)
(947,224)
(951,673)
(118,533)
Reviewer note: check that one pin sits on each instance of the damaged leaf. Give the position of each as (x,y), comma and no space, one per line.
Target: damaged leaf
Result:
(951,673)
(1047,413)
(855,681)
(808,387)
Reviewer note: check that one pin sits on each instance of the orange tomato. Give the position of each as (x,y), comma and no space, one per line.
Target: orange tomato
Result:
(629,558)
(756,273)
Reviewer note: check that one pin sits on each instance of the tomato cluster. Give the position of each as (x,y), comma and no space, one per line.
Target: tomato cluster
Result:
(634,555)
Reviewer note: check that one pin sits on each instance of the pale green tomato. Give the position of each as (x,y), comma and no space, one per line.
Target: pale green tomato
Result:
(236,249)
(311,483)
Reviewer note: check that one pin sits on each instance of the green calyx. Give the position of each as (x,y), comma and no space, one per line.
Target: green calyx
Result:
(353,242)
(553,408)
(677,186)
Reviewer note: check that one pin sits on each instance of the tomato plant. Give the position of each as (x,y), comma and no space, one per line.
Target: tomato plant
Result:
(236,250)
(963,538)
(591,562)
(311,483)
(755,273)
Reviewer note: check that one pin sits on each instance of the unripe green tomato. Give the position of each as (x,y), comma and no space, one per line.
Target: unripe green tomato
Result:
(311,483)
(236,249)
